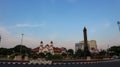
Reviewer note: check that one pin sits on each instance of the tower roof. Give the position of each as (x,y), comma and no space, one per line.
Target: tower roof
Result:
(85,29)
(51,42)
(41,42)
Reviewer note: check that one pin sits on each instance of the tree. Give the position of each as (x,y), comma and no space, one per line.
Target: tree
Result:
(33,55)
(64,55)
(3,51)
(114,50)
(23,49)
(70,52)
(79,53)
(48,56)
(56,57)
(12,52)
(41,55)
(102,53)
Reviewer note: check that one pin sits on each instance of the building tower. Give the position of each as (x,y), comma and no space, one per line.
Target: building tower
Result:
(51,48)
(86,48)
(51,43)
(41,43)
(41,47)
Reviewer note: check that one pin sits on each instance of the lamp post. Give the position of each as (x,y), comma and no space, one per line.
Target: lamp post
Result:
(0,40)
(21,43)
(22,39)
(118,24)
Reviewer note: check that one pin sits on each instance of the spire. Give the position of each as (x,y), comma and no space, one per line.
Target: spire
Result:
(85,29)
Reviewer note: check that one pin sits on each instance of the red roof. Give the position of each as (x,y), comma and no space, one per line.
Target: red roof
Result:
(36,49)
(56,49)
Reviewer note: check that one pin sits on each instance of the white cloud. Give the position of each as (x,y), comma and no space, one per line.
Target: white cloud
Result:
(107,25)
(29,25)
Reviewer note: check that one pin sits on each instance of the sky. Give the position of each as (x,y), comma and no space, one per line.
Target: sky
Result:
(60,21)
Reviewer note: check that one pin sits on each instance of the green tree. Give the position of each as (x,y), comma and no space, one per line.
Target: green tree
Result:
(3,51)
(48,56)
(23,49)
(56,57)
(33,55)
(70,53)
(64,55)
(79,53)
(102,53)
(114,50)
(41,55)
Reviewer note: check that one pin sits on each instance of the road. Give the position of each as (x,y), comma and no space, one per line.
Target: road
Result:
(102,64)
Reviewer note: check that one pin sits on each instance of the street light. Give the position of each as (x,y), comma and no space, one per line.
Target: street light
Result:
(22,39)
(21,43)
(118,24)
(0,40)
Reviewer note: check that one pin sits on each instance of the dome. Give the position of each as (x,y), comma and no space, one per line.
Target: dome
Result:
(41,42)
(51,42)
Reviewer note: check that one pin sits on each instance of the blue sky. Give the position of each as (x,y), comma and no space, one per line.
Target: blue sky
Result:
(59,20)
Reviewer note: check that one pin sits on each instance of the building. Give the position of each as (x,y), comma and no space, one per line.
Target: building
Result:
(79,46)
(57,50)
(47,48)
(91,44)
(64,50)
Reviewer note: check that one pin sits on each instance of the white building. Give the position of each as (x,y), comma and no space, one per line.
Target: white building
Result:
(79,46)
(47,48)
(91,44)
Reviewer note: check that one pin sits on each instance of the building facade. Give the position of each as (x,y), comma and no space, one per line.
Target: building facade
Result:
(79,46)
(48,48)
(91,44)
